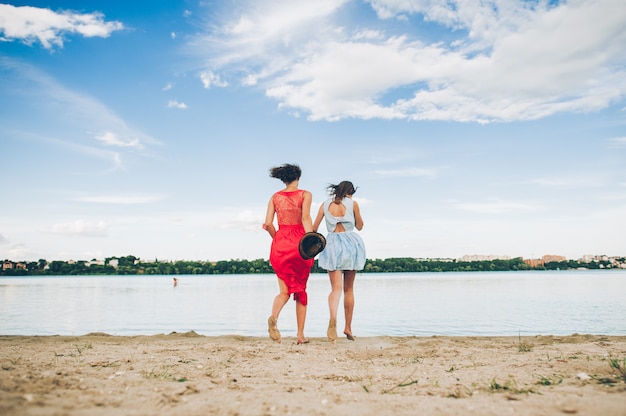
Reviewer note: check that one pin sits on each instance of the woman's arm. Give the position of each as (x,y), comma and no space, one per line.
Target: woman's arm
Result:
(269,219)
(358,220)
(306,212)
(318,219)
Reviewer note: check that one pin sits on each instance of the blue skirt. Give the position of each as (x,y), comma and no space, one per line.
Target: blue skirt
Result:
(343,251)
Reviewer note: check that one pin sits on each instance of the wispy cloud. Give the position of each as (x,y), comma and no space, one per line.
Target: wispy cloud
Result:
(619,142)
(505,60)
(408,172)
(568,182)
(54,101)
(32,24)
(398,155)
(79,228)
(495,206)
(111,139)
(17,251)
(176,104)
(120,199)
(245,220)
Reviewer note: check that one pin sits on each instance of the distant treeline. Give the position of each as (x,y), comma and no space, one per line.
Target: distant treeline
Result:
(131,265)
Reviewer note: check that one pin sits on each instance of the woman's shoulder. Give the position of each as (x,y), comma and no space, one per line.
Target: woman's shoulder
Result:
(293,192)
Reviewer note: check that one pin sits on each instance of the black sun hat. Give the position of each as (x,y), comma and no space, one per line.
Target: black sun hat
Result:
(311,245)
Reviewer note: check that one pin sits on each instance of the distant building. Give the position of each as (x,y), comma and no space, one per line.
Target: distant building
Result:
(441,259)
(534,262)
(10,265)
(549,258)
(478,257)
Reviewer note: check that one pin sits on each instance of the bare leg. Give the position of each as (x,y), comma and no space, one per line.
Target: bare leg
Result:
(333,302)
(279,302)
(348,300)
(301,318)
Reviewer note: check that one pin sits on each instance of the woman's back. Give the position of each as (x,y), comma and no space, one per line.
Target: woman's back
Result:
(288,206)
(339,216)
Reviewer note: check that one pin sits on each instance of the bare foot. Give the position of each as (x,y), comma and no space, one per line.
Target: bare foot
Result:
(349,336)
(273,329)
(303,341)
(332,330)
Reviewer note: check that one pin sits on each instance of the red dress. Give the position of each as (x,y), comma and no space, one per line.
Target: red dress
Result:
(285,258)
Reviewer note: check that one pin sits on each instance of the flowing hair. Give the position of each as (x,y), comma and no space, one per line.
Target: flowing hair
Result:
(286,173)
(339,192)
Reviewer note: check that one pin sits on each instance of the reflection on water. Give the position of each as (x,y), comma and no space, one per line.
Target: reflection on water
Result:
(422,304)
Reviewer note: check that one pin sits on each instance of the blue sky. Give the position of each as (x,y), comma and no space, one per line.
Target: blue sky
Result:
(147,128)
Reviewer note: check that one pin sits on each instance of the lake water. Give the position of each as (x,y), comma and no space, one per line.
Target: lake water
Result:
(421,304)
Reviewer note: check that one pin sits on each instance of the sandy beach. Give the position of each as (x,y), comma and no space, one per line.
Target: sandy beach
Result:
(189,374)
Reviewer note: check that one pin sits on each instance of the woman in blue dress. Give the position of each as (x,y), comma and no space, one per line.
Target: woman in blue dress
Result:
(344,253)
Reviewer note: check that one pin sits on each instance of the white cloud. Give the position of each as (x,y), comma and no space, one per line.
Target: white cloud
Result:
(3,239)
(503,60)
(176,104)
(210,79)
(168,87)
(31,24)
(79,228)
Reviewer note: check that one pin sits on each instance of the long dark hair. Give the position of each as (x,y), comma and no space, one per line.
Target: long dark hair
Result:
(286,173)
(339,192)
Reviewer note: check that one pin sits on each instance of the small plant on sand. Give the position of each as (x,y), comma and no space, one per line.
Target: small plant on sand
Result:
(522,346)
(366,388)
(459,392)
(474,364)
(79,350)
(619,365)
(495,386)
(15,360)
(164,373)
(405,383)
(510,385)
(549,381)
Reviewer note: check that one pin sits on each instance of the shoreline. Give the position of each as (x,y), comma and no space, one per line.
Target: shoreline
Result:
(191,374)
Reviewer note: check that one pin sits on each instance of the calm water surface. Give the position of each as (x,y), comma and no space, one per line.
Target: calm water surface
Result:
(422,304)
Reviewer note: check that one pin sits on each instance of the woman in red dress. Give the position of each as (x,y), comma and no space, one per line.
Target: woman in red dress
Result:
(292,207)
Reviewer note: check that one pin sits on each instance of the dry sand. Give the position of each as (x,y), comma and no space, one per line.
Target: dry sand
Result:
(188,374)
